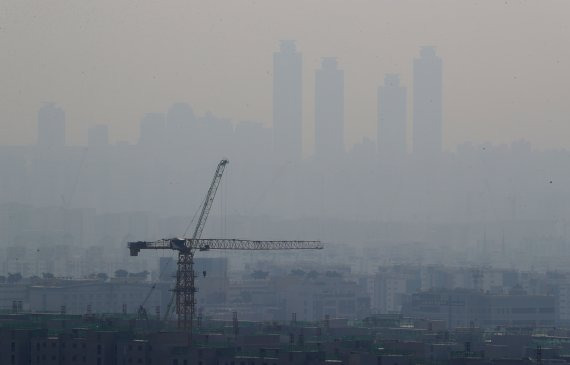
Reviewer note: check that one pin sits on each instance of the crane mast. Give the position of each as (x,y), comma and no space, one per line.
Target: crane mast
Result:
(185,288)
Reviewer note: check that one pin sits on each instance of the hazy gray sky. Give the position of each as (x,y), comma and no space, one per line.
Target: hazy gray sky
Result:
(506,63)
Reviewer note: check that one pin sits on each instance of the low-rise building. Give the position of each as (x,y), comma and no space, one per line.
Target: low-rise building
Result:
(97,297)
(463,308)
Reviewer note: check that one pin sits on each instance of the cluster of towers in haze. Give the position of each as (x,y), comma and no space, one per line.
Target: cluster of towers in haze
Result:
(329,107)
(164,172)
(392,102)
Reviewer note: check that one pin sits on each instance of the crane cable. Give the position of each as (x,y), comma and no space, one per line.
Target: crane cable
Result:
(194,217)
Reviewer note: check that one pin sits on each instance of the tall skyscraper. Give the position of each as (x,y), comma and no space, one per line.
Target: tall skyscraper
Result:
(287,102)
(98,136)
(329,110)
(51,126)
(428,131)
(392,118)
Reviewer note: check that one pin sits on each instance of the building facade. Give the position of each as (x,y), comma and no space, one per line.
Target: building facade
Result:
(329,111)
(428,103)
(287,102)
(464,308)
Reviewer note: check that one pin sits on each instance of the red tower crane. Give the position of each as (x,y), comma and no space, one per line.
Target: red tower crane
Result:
(185,288)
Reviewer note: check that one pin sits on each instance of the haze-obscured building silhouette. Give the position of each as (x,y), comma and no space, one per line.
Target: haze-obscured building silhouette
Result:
(152,129)
(98,136)
(329,110)
(180,124)
(252,140)
(392,118)
(287,102)
(51,126)
(428,117)
(218,129)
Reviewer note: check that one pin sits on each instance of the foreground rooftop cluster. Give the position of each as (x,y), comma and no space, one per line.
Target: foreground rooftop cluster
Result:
(380,339)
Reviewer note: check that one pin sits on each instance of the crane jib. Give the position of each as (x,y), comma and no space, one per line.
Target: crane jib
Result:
(209,199)
(189,244)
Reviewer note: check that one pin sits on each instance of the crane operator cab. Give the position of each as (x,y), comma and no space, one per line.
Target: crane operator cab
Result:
(178,244)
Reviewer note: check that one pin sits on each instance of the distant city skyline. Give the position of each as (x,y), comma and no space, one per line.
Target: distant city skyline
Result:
(397,132)
(105,64)
(179,125)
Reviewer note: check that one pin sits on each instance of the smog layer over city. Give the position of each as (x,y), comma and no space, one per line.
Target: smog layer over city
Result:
(284,182)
